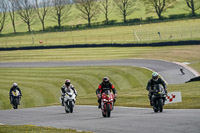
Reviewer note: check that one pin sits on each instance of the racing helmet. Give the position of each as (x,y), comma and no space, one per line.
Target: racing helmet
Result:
(67,82)
(155,76)
(14,84)
(105,80)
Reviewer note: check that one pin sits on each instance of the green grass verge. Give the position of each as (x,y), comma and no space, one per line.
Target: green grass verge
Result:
(169,31)
(195,65)
(34,129)
(176,53)
(41,86)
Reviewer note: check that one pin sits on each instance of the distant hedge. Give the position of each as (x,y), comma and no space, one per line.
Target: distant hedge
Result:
(194,42)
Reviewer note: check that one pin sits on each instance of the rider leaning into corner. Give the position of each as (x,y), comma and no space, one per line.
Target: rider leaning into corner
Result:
(155,80)
(104,85)
(13,88)
(67,85)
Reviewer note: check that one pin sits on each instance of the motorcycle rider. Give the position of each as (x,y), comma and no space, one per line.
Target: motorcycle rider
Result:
(155,80)
(67,85)
(105,84)
(14,88)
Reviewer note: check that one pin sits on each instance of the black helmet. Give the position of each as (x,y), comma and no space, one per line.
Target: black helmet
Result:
(155,76)
(105,80)
(67,82)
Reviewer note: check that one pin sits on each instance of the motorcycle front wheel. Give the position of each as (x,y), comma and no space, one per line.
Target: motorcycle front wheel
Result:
(108,110)
(15,103)
(160,104)
(70,107)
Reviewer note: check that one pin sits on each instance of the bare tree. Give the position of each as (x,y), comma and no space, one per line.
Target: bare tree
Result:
(89,9)
(126,7)
(61,10)
(158,6)
(105,8)
(3,10)
(42,8)
(194,5)
(25,9)
(12,6)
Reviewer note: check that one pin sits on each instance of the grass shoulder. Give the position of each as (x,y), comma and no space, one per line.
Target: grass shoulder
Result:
(35,129)
(130,83)
(143,33)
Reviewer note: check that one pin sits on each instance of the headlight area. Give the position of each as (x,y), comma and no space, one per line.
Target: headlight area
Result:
(107,100)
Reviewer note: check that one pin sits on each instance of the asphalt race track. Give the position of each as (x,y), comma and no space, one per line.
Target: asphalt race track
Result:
(168,70)
(123,119)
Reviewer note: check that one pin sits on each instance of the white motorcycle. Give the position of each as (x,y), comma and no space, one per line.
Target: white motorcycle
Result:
(69,101)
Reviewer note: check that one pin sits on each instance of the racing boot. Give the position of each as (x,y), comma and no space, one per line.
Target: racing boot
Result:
(99,101)
(151,103)
(62,101)
(99,106)
(11,101)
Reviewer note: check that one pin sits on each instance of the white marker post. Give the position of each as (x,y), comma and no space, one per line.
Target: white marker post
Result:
(138,39)
(173,97)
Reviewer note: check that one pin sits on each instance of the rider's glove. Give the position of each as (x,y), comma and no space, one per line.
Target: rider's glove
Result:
(115,96)
(99,96)
(151,91)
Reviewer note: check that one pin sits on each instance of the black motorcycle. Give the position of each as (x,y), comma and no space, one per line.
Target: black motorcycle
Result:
(158,98)
(15,99)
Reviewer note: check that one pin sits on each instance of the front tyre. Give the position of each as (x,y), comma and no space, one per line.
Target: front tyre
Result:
(160,104)
(108,110)
(70,107)
(15,103)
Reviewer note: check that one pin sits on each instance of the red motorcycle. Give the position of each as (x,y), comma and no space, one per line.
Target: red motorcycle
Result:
(107,103)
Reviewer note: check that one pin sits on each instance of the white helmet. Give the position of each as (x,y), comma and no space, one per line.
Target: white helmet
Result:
(14,84)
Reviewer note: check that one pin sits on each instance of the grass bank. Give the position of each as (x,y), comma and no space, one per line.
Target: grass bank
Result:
(41,86)
(155,32)
(189,54)
(35,129)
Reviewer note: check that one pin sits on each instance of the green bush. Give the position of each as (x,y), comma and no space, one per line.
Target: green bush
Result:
(149,18)
(136,20)
(177,16)
(110,22)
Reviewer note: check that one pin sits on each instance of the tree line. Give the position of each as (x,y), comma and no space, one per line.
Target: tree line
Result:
(60,10)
